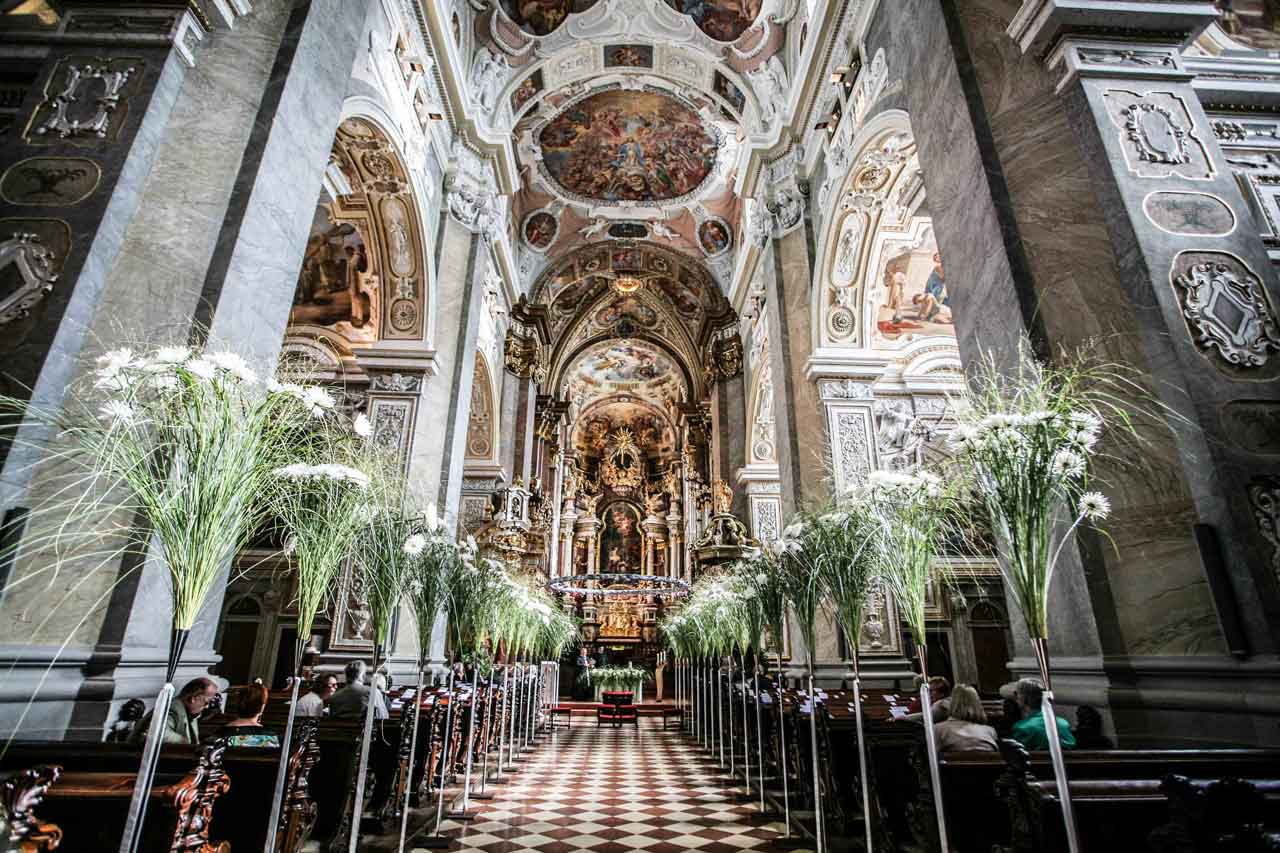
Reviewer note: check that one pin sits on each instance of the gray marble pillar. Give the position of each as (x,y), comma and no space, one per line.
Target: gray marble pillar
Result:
(728,436)
(799,426)
(205,206)
(440,428)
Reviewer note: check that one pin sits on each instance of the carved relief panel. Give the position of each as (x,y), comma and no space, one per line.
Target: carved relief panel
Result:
(1158,135)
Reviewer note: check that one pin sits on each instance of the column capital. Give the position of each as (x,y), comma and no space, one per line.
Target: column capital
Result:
(1039,24)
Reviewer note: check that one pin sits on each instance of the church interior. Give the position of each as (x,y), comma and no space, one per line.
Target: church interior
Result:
(627,304)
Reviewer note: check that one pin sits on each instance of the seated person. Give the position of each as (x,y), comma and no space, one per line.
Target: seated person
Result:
(353,699)
(122,728)
(966,728)
(1030,730)
(245,728)
(913,705)
(183,723)
(322,690)
(1088,729)
(1010,713)
(939,695)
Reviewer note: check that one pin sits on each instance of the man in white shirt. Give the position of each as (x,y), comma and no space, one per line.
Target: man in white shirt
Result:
(312,705)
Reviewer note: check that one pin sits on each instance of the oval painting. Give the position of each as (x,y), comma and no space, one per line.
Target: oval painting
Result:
(540,230)
(617,146)
(540,17)
(715,236)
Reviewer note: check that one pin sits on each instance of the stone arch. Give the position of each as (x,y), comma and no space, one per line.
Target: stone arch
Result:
(364,276)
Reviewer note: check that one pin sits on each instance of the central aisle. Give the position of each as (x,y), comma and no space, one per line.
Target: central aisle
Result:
(614,790)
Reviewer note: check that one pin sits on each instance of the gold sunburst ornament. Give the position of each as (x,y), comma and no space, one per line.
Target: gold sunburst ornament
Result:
(626,284)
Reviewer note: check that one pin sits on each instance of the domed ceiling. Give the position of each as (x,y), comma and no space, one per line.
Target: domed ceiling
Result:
(624,366)
(627,146)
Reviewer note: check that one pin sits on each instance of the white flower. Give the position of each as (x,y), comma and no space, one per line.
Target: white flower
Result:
(1094,506)
(290,545)
(415,544)
(1083,438)
(362,426)
(116,359)
(792,530)
(164,382)
(761,579)
(1068,463)
(117,412)
(201,368)
(166,358)
(316,399)
(234,364)
(295,471)
(1087,421)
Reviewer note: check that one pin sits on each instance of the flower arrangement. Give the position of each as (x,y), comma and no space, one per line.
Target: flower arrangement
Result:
(620,677)
(913,513)
(171,451)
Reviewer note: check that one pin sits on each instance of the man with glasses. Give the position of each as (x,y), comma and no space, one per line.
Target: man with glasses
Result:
(183,722)
(322,690)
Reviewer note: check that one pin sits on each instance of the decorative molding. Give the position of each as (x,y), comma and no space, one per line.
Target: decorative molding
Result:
(72,82)
(846,389)
(1225,306)
(37,267)
(1158,135)
(851,444)
(396,383)
(1264,499)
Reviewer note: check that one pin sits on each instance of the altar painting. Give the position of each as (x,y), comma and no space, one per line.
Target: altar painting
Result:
(621,540)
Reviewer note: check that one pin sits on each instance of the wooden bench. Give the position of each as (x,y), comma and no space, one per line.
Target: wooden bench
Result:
(559,712)
(21,793)
(239,817)
(676,714)
(91,806)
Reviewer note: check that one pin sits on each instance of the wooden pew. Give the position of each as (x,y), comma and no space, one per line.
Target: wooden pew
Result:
(239,816)
(91,806)
(21,793)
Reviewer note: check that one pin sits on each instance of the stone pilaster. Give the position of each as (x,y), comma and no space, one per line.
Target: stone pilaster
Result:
(183,184)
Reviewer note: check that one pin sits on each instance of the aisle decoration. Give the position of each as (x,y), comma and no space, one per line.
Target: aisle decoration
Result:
(427,595)
(619,677)
(318,499)
(387,554)
(164,457)
(1028,441)
(915,514)
(846,538)
(765,609)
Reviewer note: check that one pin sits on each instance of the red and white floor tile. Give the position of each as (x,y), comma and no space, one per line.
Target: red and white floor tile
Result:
(606,790)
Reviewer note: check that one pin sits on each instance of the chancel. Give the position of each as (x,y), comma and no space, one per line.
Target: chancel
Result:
(835,425)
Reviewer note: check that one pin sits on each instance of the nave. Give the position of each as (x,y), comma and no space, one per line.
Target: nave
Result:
(610,790)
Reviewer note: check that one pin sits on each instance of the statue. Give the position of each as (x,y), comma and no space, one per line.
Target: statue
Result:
(572,479)
(721,497)
(653,502)
(588,502)
(671,482)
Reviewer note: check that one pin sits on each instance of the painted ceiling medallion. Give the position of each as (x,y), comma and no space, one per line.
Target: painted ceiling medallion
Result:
(723,20)
(623,146)
(626,284)
(542,17)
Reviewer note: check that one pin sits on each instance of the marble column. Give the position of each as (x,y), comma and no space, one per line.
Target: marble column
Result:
(799,427)
(729,436)
(438,437)
(1054,223)
(197,219)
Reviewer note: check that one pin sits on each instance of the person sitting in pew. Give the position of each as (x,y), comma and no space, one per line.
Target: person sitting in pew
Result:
(966,729)
(940,696)
(352,700)
(183,723)
(245,728)
(1088,730)
(1030,730)
(322,690)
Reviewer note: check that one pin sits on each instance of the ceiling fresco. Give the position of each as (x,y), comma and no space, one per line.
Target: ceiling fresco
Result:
(541,17)
(582,277)
(723,20)
(652,431)
(625,366)
(628,146)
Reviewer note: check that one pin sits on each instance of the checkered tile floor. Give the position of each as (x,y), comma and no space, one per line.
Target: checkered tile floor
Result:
(611,791)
